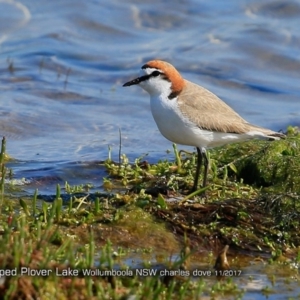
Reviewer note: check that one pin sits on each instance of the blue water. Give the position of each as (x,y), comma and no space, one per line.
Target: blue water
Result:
(63,63)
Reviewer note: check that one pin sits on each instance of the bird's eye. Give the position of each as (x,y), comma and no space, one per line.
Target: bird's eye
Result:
(155,73)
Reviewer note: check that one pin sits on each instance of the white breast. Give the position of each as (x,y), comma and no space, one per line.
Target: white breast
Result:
(174,126)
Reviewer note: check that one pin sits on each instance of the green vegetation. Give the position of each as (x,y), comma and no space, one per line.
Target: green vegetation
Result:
(251,204)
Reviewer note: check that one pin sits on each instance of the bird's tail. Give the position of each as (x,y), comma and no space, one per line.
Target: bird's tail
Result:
(276,136)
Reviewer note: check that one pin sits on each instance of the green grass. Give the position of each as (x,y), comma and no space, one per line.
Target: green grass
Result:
(252,204)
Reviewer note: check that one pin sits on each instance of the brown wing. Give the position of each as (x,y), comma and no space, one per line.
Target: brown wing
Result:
(210,112)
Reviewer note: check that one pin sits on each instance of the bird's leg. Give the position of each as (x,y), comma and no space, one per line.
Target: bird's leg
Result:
(206,164)
(201,156)
(199,163)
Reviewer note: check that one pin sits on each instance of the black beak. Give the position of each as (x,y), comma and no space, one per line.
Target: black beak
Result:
(137,80)
(132,82)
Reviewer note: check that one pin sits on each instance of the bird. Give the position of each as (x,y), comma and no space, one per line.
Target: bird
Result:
(189,114)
